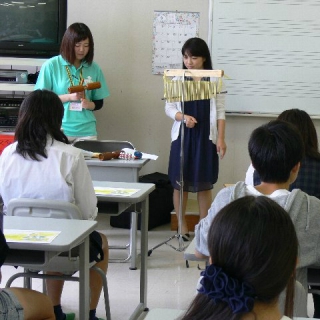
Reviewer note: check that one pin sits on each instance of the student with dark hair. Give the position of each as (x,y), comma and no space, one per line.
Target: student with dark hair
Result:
(276,150)
(309,173)
(75,66)
(204,137)
(21,303)
(252,261)
(40,164)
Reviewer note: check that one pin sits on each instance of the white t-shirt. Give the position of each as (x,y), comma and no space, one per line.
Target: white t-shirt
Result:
(63,175)
(249,175)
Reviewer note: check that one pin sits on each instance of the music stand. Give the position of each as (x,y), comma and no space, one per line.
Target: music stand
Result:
(177,90)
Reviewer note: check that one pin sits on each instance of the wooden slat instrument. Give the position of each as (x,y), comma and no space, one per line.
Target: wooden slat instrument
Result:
(181,89)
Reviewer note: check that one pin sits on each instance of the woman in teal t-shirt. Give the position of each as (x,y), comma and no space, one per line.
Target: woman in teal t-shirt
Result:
(75,66)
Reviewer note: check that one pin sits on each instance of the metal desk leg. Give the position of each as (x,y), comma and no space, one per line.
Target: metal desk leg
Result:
(84,293)
(144,252)
(133,240)
(142,306)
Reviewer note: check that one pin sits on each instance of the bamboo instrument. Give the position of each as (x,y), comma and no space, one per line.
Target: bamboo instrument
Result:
(188,85)
(109,155)
(88,86)
(190,90)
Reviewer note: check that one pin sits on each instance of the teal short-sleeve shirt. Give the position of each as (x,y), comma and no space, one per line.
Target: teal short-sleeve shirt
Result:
(54,76)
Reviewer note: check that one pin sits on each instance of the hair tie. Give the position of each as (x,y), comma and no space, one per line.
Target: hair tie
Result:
(219,287)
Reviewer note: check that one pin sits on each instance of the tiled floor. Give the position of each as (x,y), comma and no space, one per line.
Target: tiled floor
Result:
(170,283)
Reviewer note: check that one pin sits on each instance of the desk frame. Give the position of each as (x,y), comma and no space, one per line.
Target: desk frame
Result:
(65,241)
(116,169)
(120,171)
(142,196)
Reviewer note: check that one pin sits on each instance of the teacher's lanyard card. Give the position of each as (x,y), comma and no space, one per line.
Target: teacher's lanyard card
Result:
(75,106)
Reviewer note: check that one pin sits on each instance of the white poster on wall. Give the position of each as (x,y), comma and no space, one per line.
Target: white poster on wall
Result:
(170,31)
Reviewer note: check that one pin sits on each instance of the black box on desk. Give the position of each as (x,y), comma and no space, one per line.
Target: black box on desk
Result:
(160,203)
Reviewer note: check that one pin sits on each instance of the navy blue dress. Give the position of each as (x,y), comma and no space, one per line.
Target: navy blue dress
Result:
(201,163)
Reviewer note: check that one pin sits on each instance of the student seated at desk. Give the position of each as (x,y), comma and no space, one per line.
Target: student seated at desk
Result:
(309,173)
(276,150)
(20,303)
(252,261)
(41,164)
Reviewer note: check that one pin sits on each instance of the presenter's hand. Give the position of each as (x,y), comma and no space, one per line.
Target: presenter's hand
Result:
(77,96)
(87,104)
(190,121)
(221,147)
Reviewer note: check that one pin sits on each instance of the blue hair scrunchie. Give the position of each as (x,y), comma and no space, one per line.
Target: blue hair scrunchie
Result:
(219,287)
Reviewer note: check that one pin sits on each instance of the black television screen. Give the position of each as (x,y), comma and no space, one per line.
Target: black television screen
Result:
(32,28)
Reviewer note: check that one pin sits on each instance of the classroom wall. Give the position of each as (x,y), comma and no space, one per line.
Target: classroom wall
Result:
(122,31)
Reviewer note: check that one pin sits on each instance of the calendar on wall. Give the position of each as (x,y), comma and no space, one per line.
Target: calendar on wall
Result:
(171,29)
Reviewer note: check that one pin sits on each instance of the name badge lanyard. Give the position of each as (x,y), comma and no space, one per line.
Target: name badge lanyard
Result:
(75,106)
(70,77)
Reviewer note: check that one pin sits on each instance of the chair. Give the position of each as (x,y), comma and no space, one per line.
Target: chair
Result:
(314,280)
(66,262)
(100,146)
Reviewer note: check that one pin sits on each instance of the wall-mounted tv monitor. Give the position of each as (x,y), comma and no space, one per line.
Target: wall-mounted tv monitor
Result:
(32,28)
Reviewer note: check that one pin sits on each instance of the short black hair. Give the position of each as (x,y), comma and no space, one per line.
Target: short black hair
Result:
(198,48)
(75,33)
(275,148)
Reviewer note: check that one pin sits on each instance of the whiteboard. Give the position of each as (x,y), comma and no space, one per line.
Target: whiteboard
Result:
(270,49)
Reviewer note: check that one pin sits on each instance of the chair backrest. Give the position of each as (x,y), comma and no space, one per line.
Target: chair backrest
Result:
(102,145)
(314,280)
(42,208)
(300,301)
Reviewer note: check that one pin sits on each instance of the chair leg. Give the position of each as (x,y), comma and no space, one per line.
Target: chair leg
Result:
(105,291)
(316,302)
(14,277)
(27,281)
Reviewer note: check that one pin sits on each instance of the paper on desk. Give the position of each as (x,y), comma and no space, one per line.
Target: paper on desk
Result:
(30,236)
(115,191)
(144,155)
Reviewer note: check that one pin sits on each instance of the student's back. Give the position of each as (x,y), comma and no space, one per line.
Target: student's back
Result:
(303,209)
(276,150)
(252,261)
(309,174)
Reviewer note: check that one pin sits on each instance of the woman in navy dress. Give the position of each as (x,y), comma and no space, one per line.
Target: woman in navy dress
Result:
(204,134)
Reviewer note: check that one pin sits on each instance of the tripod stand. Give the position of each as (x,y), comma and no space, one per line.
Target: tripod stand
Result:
(177,90)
